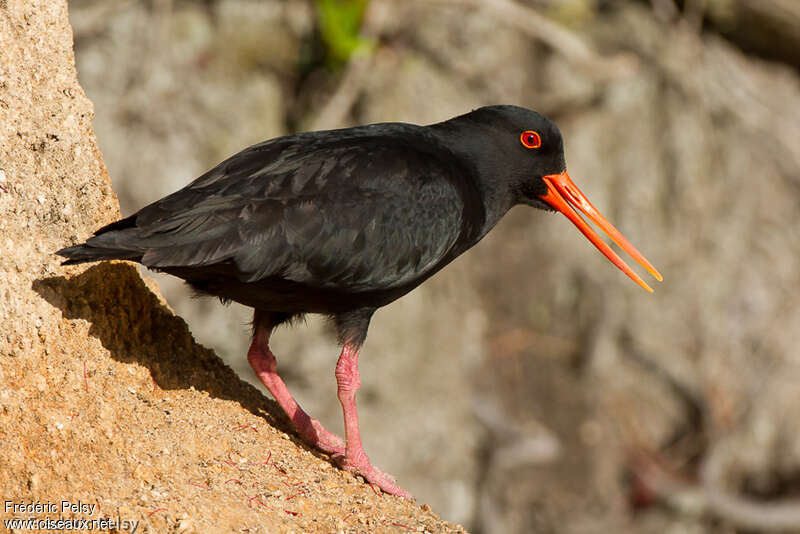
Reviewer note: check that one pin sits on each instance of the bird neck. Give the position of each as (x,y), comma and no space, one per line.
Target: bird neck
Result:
(481,169)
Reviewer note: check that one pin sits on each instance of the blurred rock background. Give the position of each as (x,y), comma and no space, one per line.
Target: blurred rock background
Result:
(529,387)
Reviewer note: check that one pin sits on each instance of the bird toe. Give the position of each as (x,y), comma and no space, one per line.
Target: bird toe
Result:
(373,475)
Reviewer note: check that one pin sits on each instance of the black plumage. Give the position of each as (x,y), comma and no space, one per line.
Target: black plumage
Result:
(342,222)
(322,222)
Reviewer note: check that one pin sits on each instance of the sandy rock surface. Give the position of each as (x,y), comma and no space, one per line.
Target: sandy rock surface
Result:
(105,398)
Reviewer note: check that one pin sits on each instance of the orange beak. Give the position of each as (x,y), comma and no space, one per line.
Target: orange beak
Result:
(564,196)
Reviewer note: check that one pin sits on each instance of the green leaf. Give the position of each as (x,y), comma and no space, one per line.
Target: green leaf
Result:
(340,22)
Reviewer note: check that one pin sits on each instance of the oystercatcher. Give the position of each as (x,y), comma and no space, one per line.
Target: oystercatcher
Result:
(342,222)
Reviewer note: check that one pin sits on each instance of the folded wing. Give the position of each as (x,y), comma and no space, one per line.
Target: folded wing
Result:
(321,210)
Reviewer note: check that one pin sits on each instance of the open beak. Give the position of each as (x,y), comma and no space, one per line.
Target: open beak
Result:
(564,196)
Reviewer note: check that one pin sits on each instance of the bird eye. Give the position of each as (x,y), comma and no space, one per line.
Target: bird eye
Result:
(530,139)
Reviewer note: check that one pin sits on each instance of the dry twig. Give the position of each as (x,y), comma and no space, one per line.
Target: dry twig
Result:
(711,496)
(777,516)
(525,19)
(559,38)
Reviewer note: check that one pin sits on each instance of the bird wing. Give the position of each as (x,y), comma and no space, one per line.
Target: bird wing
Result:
(326,212)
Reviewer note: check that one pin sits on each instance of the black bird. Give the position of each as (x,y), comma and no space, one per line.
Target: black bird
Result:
(342,222)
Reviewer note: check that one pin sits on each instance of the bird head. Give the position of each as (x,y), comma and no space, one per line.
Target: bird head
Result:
(523,151)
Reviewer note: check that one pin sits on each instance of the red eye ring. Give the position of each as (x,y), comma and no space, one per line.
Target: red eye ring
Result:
(530,139)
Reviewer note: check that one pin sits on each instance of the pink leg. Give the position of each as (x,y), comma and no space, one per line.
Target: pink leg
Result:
(355,459)
(266,367)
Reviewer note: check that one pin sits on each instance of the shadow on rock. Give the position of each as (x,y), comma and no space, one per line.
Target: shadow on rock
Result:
(135,326)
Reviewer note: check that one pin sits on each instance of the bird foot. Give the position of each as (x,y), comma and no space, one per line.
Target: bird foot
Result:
(313,433)
(360,465)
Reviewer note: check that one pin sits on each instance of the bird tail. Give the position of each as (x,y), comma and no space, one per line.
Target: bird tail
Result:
(108,243)
(86,252)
